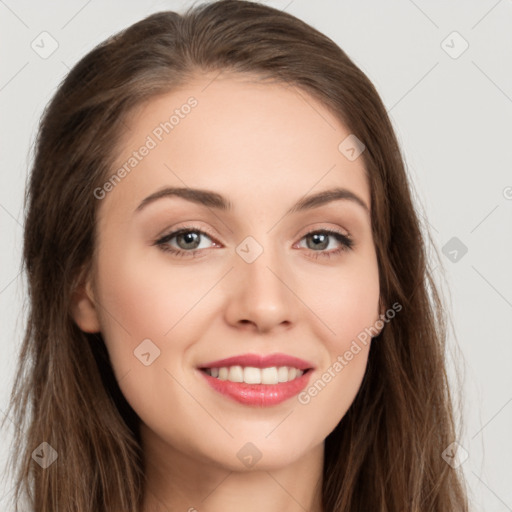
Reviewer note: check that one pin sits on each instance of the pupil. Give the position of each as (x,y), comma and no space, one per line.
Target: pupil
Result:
(316,237)
(190,238)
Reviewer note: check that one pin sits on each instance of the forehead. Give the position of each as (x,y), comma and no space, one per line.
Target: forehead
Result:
(238,135)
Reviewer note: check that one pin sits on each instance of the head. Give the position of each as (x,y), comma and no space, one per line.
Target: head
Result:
(254,105)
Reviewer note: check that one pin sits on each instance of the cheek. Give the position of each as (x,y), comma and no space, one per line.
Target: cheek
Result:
(348,306)
(136,305)
(147,330)
(350,310)
(141,299)
(331,392)
(345,301)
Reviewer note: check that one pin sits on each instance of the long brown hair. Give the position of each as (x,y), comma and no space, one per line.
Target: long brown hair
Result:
(385,454)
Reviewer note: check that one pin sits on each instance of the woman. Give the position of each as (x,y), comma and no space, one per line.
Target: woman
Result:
(231,305)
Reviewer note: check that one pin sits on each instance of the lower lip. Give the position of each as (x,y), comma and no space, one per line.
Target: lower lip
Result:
(261,395)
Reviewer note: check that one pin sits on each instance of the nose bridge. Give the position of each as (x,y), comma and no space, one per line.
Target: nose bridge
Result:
(259,292)
(261,274)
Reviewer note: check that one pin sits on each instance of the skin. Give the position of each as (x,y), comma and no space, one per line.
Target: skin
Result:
(263,146)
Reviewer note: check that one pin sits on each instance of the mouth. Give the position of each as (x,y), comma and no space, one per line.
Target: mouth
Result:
(255,380)
(252,375)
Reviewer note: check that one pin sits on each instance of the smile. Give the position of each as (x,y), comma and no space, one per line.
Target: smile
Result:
(257,380)
(252,375)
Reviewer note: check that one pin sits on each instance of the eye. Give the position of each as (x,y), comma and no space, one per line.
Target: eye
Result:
(320,240)
(188,240)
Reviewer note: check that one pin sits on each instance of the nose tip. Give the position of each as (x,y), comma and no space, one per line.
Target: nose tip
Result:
(262,323)
(259,296)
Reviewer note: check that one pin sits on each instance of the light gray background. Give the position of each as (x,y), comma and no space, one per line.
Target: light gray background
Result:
(452,115)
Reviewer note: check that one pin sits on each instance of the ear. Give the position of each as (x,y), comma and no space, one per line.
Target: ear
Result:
(83,308)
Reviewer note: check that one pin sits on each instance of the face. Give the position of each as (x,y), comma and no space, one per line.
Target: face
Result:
(249,270)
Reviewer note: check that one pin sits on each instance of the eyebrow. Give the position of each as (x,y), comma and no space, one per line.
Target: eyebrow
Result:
(219,202)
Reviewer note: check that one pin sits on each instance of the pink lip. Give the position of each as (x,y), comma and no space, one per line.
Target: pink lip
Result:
(262,395)
(258,361)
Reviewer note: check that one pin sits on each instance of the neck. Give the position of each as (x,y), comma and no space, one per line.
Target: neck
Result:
(178,481)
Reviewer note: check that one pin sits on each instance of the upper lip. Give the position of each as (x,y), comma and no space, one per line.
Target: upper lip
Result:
(260,361)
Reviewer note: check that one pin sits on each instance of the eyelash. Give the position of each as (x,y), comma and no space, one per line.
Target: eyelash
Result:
(345,240)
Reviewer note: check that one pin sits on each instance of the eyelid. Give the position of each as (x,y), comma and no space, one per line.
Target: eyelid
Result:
(318,226)
(346,242)
(307,231)
(187,227)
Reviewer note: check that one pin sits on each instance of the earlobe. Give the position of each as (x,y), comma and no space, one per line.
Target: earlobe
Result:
(83,309)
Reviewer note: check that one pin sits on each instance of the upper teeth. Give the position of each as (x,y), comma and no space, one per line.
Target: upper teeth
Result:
(251,375)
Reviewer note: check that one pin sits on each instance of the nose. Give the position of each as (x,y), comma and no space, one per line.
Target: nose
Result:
(260,294)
